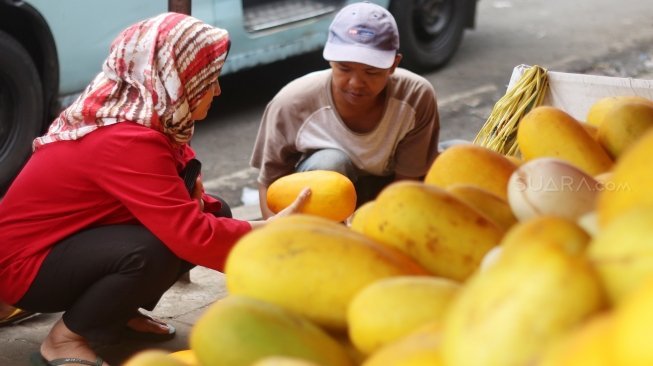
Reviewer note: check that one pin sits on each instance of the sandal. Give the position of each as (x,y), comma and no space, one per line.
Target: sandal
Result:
(130,333)
(16,317)
(37,359)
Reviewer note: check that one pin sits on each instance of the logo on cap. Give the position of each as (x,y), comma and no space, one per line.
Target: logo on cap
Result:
(361,35)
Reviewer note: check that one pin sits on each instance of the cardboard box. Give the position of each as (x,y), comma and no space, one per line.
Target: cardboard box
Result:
(575,93)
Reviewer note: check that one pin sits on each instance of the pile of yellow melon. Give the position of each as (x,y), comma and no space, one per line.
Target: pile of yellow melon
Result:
(546,259)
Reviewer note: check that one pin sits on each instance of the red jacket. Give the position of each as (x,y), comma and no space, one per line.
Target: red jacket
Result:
(124,173)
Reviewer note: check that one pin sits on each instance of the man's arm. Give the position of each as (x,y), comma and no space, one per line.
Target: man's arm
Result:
(263,201)
(419,148)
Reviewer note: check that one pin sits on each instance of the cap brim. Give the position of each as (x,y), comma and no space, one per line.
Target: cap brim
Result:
(352,53)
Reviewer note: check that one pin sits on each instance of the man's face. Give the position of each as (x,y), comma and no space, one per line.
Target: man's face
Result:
(357,83)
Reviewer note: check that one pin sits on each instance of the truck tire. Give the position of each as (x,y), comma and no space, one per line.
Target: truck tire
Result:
(21,107)
(430,31)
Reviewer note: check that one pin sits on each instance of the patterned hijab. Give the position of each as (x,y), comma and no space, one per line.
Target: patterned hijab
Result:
(155,75)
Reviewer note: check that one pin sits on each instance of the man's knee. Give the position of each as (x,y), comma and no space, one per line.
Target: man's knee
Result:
(329,159)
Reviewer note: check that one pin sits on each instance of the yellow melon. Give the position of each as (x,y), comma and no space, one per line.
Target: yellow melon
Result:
(624,124)
(489,204)
(360,216)
(601,107)
(547,230)
(622,252)
(588,344)
(283,361)
(591,130)
(332,194)
(419,348)
(630,342)
(550,132)
(471,164)
(186,356)
(153,357)
(238,331)
(630,184)
(391,308)
(312,266)
(508,314)
(445,235)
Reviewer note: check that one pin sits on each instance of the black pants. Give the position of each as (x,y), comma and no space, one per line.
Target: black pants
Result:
(369,186)
(101,276)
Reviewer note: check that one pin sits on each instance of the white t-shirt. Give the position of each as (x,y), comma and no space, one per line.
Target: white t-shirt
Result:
(302,118)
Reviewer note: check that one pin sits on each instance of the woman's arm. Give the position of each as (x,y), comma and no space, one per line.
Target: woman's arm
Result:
(294,208)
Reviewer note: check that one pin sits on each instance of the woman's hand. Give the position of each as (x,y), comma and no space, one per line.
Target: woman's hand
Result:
(296,205)
(293,208)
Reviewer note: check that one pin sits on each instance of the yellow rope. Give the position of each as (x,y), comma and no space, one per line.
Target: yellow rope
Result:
(499,133)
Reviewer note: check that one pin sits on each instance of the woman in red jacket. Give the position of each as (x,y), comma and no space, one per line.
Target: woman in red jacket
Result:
(99,222)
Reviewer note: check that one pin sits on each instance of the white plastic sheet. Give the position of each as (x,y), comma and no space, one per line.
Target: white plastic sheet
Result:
(575,93)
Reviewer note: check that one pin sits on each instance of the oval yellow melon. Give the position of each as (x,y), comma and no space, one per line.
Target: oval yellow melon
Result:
(332,194)
(151,357)
(471,164)
(589,344)
(442,233)
(511,312)
(591,130)
(630,184)
(630,337)
(306,219)
(603,178)
(563,233)
(420,348)
(186,356)
(601,107)
(490,258)
(623,125)
(238,331)
(283,361)
(311,266)
(360,216)
(489,204)
(550,132)
(515,160)
(547,230)
(391,308)
(622,252)
(354,353)
(589,222)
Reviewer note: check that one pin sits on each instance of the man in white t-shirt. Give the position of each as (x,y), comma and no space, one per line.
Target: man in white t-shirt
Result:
(363,117)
